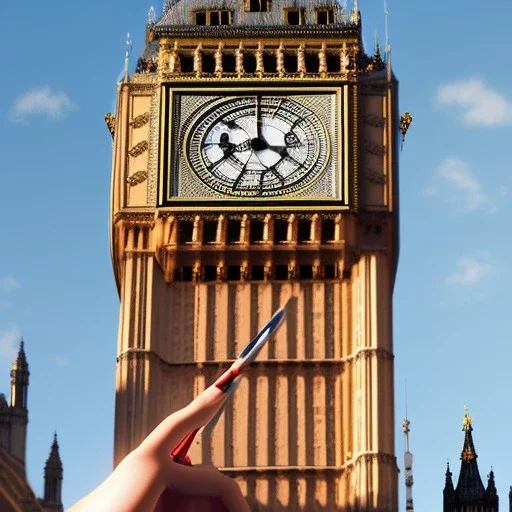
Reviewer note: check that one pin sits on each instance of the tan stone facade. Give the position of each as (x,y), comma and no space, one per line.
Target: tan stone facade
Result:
(311,427)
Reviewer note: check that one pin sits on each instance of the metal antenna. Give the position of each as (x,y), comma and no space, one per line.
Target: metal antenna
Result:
(409,481)
(127,54)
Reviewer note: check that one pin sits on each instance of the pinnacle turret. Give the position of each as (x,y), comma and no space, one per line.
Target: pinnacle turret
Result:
(53,462)
(448,484)
(20,379)
(470,491)
(53,478)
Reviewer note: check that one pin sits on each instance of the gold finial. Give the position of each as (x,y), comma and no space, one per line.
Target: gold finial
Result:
(405,123)
(467,421)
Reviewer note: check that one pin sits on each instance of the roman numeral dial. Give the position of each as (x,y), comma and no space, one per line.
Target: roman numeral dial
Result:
(256,146)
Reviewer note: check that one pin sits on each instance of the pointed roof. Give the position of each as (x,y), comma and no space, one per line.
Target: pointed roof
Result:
(20,363)
(448,484)
(469,487)
(53,462)
(491,485)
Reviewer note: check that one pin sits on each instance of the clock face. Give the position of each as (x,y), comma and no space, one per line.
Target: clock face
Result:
(256,146)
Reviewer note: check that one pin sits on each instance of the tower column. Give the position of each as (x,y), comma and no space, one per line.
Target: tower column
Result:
(132,374)
(370,367)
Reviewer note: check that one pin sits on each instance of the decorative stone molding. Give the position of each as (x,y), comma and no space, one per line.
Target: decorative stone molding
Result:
(374,176)
(374,149)
(138,149)
(137,178)
(140,121)
(373,120)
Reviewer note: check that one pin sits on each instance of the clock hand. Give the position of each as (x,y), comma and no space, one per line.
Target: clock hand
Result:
(258,118)
(274,171)
(213,165)
(277,108)
(240,176)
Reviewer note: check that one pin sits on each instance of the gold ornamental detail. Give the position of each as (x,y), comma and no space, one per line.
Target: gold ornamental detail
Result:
(139,148)
(140,121)
(467,421)
(137,178)
(110,121)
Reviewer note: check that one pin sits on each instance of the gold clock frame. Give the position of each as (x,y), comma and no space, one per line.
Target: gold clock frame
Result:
(343,170)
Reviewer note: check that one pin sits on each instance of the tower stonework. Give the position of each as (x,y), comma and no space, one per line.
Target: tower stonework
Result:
(255,161)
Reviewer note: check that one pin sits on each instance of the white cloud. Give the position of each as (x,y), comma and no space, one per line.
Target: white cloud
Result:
(469,271)
(455,183)
(9,343)
(479,103)
(9,284)
(42,101)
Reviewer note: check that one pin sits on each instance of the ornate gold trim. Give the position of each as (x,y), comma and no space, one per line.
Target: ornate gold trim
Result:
(139,148)
(140,121)
(355,147)
(137,178)
(110,121)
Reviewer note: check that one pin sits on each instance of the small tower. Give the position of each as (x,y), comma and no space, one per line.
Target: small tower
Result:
(409,481)
(53,480)
(470,491)
(18,403)
(19,379)
(449,490)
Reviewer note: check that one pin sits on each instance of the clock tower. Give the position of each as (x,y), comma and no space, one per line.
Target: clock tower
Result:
(255,161)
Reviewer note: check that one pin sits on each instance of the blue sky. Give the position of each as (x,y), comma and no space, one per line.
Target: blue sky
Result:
(60,63)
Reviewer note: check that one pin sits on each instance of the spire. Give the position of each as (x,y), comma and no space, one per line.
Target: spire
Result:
(19,379)
(127,54)
(355,12)
(448,483)
(388,45)
(470,488)
(53,461)
(491,493)
(468,451)
(151,16)
(449,496)
(21,360)
(53,478)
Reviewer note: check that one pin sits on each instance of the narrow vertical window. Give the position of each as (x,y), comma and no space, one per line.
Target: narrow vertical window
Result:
(201,18)
(214,17)
(257,5)
(225,18)
(294,16)
(324,16)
